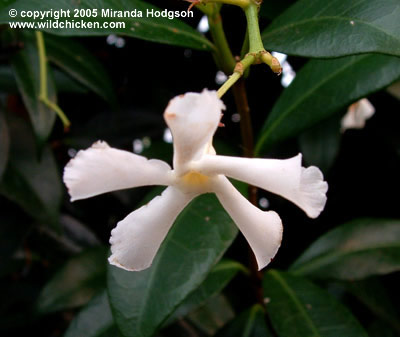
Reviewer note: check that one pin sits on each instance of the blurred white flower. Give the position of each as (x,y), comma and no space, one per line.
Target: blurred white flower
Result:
(288,74)
(193,119)
(357,114)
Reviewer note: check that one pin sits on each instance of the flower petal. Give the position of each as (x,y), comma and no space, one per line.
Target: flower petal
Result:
(304,187)
(262,230)
(102,169)
(193,119)
(136,239)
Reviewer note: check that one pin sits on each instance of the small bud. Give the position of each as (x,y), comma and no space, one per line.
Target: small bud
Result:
(276,66)
(239,68)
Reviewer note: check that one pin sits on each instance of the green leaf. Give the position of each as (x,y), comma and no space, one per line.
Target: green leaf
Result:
(75,283)
(33,183)
(7,79)
(4,142)
(321,143)
(216,280)
(323,87)
(81,65)
(26,69)
(62,81)
(379,328)
(141,301)
(317,29)
(161,29)
(353,251)
(372,293)
(212,316)
(271,9)
(5,3)
(298,308)
(250,323)
(93,320)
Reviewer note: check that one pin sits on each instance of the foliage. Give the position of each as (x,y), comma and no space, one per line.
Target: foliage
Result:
(335,276)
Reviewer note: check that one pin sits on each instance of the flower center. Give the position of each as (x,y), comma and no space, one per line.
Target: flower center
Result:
(195,179)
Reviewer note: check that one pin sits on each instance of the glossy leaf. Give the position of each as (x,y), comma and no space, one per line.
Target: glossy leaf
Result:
(7,79)
(33,183)
(320,144)
(317,29)
(379,328)
(75,283)
(372,293)
(5,3)
(93,320)
(323,87)
(298,308)
(62,81)
(81,65)
(160,29)
(141,301)
(250,323)
(216,280)
(4,142)
(271,9)
(353,251)
(212,316)
(26,69)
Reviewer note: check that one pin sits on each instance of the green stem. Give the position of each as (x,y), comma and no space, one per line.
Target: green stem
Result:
(255,41)
(241,3)
(42,64)
(43,90)
(240,68)
(225,56)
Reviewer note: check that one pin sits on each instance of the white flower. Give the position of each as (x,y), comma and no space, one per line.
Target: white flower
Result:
(357,114)
(193,119)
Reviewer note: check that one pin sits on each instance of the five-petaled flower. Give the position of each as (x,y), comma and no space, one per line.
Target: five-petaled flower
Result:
(193,119)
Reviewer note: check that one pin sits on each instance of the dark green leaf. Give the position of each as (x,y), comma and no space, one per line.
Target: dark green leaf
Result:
(380,329)
(27,72)
(250,323)
(63,82)
(141,301)
(212,316)
(323,87)
(5,3)
(75,60)
(149,28)
(111,332)
(271,9)
(13,230)
(320,144)
(78,233)
(74,237)
(4,142)
(372,293)
(298,308)
(75,283)
(93,320)
(33,183)
(353,251)
(317,29)
(216,280)
(7,79)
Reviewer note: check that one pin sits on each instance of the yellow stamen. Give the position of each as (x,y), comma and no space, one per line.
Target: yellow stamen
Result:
(195,179)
